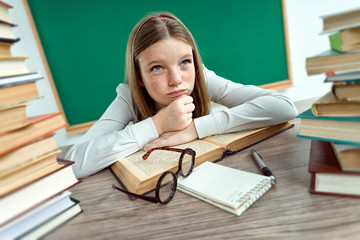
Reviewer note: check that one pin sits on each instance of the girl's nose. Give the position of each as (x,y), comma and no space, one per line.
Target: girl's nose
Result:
(174,77)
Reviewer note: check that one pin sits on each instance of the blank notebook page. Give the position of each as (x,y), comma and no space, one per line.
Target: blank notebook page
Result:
(225,185)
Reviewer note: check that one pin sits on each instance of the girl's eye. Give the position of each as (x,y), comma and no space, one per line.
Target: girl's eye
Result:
(185,62)
(156,68)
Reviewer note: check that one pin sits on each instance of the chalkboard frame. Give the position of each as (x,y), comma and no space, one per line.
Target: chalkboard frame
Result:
(82,127)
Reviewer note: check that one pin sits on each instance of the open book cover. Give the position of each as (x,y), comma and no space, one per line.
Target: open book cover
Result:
(228,188)
(140,176)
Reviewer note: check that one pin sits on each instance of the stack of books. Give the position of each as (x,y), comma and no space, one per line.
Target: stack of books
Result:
(333,121)
(34,196)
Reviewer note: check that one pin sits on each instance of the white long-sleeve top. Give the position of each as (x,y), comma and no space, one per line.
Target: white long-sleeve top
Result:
(112,137)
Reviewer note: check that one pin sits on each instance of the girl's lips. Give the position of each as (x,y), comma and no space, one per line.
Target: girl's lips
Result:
(177,93)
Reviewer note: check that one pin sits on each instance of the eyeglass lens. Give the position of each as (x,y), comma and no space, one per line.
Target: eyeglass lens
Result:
(186,162)
(166,187)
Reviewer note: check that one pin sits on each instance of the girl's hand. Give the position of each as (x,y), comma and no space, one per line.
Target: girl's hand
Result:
(169,139)
(176,116)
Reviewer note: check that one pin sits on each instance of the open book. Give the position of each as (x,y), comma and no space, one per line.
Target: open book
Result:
(140,176)
(228,188)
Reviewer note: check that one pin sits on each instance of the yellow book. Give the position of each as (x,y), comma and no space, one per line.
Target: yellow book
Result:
(329,106)
(141,176)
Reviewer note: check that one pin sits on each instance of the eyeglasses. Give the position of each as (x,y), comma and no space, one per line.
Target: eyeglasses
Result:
(167,183)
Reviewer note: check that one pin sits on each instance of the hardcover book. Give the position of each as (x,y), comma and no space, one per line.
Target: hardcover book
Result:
(141,176)
(348,156)
(15,204)
(339,129)
(326,174)
(330,106)
(41,126)
(331,60)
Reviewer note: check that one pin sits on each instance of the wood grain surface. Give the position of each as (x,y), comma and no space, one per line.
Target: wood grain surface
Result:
(286,211)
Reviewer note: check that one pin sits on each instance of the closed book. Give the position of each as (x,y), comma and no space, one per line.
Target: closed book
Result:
(326,175)
(6,33)
(18,93)
(346,40)
(13,116)
(5,49)
(33,195)
(28,172)
(36,217)
(330,106)
(28,152)
(12,66)
(347,90)
(4,12)
(348,156)
(54,223)
(349,75)
(341,20)
(339,129)
(41,126)
(331,60)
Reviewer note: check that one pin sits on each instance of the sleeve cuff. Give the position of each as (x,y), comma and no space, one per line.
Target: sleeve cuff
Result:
(206,125)
(145,131)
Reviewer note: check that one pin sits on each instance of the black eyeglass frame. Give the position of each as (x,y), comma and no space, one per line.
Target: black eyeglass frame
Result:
(157,198)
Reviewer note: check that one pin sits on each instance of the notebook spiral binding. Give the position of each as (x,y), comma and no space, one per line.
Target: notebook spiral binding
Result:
(255,193)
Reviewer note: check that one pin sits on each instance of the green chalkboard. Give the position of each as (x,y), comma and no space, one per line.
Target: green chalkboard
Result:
(84,44)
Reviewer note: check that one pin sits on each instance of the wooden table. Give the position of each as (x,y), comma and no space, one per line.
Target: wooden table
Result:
(287,211)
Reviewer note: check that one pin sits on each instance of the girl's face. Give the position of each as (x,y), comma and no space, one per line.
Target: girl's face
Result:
(167,70)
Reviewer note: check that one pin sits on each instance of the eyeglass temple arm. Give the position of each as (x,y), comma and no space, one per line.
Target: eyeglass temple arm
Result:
(146,198)
(147,154)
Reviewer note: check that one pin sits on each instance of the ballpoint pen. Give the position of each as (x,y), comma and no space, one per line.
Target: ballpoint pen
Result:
(266,171)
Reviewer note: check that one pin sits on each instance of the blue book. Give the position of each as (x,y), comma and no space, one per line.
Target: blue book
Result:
(335,129)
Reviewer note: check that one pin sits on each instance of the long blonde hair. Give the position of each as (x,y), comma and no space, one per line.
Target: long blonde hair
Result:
(148,31)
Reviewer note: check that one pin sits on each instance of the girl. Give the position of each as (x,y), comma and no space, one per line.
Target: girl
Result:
(166,99)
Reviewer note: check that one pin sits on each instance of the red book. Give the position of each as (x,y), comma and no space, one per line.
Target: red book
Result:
(326,175)
(41,126)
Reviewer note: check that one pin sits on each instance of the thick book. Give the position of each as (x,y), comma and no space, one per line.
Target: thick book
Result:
(339,129)
(5,49)
(28,152)
(228,188)
(141,176)
(347,90)
(4,12)
(54,223)
(6,33)
(346,40)
(26,173)
(42,125)
(341,20)
(33,195)
(12,66)
(326,175)
(330,106)
(348,156)
(18,88)
(13,116)
(331,60)
(36,217)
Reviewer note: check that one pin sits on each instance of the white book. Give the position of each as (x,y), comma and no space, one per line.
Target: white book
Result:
(228,188)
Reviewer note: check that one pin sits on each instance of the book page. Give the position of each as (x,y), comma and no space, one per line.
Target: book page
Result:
(162,160)
(224,139)
(228,186)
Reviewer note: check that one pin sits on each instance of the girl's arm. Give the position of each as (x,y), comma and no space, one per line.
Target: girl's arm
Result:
(111,137)
(248,107)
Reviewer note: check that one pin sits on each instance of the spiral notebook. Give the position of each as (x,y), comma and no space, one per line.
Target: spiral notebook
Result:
(228,188)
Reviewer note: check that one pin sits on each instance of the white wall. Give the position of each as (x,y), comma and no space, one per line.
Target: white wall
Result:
(304,26)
